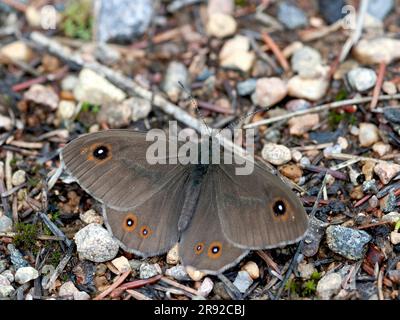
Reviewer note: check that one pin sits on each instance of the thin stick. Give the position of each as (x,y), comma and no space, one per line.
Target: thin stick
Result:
(323,107)
(276,51)
(378,85)
(178,285)
(133,285)
(137,295)
(115,285)
(268,260)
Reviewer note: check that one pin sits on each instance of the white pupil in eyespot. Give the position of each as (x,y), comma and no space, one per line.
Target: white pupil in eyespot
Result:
(145,231)
(215,250)
(129,222)
(198,248)
(100,151)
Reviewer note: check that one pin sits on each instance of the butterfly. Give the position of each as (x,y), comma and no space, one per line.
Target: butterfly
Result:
(215,215)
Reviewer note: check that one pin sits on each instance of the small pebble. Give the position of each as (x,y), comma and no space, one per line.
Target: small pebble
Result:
(91,216)
(362,79)
(81,295)
(17,259)
(349,243)
(195,275)
(66,109)
(391,217)
(247,87)
(42,95)
(313,237)
(6,224)
(291,16)
(117,115)
(221,25)
(389,87)
(173,255)
(147,270)
(392,115)
(329,285)
(122,264)
(18,177)
(276,154)
(69,82)
(9,275)
(4,281)
(386,171)
(370,187)
(301,124)
(307,62)
(17,50)
(26,274)
(377,50)
(6,291)
(291,171)
(178,273)
(373,202)
(252,269)
(343,143)
(243,281)
(67,289)
(206,287)
(395,237)
(269,91)
(95,89)
(95,243)
(388,203)
(140,108)
(235,54)
(297,105)
(380,8)
(176,73)
(331,10)
(107,54)
(220,6)
(310,89)
(381,148)
(296,155)
(368,135)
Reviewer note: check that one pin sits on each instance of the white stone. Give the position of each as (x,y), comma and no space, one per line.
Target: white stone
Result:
(221,25)
(269,91)
(389,87)
(302,124)
(377,50)
(95,89)
(6,291)
(43,95)
(362,79)
(194,274)
(307,62)
(18,51)
(386,171)
(394,237)
(276,154)
(95,243)
(6,224)
(381,148)
(368,134)
(148,270)
(69,82)
(91,216)
(140,108)
(173,255)
(311,89)
(306,270)
(26,274)
(81,295)
(206,287)
(18,177)
(122,264)
(68,289)
(252,269)
(220,6)
(391,217)
(66,109)
(243,281)
(329,285)
(235,54)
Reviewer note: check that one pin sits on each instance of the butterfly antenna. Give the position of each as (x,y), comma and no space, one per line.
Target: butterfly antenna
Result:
(194,103)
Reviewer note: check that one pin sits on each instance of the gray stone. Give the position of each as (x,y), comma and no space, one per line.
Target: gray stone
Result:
(17,259)
(140,108)
(9,275)
(178,272)
(291,16)
(306,62)
(122,20)
(362,79)
(315,232)
(243,281)
(246,87)
(380,8)
(3,265)
(349,243)
(147,270)
(6,224)
(26,274)
(94,243)
(4,281)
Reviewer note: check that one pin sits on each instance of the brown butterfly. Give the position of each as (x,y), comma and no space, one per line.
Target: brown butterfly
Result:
(214,214)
